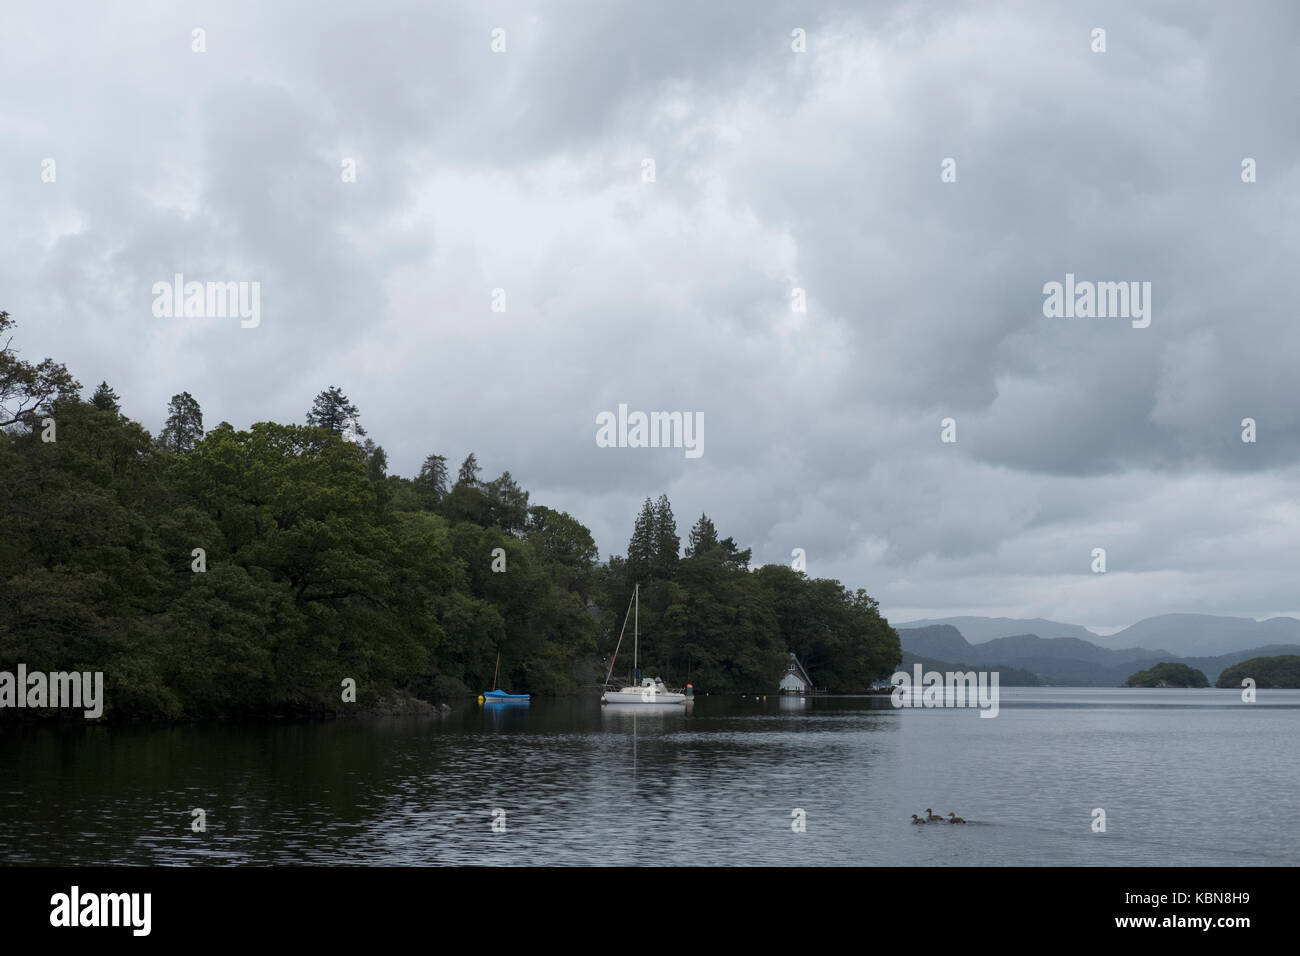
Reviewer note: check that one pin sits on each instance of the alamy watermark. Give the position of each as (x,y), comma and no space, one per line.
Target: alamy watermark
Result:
(76,908)
(1099,300)
(651,430)
(208,300)
(950,689)
(59,689)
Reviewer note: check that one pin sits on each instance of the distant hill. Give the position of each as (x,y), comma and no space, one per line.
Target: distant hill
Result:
(1007,676)
(1214,667)
(980,629)
(1167,635)
(1202,634)
(940,641)
(1059,660)
(1168,674)
(1065,648)
(1280,671)
(1064,661)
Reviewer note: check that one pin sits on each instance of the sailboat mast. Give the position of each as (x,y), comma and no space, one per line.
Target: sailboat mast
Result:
(636,629)
(497,671)
(621,634)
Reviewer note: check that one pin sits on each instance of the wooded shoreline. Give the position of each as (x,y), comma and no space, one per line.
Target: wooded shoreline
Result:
(257,571)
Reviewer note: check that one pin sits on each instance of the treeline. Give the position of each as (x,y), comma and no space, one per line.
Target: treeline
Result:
(229,572)
(1266,672)
(1168,674)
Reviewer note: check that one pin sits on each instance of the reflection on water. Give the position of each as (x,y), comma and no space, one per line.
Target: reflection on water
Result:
(1185,777)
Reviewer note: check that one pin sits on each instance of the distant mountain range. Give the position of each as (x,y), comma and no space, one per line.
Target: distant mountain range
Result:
(1007,676)
(977,630)
(1187,635)
(1072,661)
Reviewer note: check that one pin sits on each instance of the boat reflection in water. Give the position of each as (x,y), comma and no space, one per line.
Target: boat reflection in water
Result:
(615,708)
(653,717)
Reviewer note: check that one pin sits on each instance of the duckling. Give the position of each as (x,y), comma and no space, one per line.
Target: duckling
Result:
(916,819)
(931,816)
(953,818)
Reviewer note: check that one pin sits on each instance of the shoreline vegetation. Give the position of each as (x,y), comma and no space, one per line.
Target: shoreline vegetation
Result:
(255,572)
(1168,675)
(1282,671)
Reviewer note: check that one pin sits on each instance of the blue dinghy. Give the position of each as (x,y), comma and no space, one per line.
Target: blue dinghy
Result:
(500,695)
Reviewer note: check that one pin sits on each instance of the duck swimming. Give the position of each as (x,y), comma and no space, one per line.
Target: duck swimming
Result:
(953,818)
(931,816)
(916,819)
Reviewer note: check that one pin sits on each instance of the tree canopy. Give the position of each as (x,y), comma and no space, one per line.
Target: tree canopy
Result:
(27,390)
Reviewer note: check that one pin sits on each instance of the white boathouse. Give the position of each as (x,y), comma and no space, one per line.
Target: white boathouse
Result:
(796,679)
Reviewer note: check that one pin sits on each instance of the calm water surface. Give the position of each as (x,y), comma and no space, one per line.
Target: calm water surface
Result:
(1185,777)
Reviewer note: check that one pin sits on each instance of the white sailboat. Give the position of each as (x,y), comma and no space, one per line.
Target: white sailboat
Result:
(651,689)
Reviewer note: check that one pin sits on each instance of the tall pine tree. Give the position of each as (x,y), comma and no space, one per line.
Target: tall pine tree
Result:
(703,537)
(469,471)
(667,546)
(735,557)
(640,549)
(507,504)
(376,460)
(105,399)
(332,410)
(184,425)
(467,500)
(431,483)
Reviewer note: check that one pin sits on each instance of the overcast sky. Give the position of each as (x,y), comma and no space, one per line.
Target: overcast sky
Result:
(774,170)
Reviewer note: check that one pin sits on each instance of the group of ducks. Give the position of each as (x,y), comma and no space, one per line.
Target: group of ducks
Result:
(932,817)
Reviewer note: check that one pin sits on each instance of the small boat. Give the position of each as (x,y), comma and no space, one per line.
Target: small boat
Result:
(651,689)
(494,696)
(500,695)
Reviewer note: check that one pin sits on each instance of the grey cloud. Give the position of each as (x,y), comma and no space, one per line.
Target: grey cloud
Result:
(819,170)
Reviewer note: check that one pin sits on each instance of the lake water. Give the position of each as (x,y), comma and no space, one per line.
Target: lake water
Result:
(1184,776)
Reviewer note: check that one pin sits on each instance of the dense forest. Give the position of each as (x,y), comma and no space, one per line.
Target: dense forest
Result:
(250,572)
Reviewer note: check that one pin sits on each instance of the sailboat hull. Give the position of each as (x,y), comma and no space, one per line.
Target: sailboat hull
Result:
(637,697)
(500,696)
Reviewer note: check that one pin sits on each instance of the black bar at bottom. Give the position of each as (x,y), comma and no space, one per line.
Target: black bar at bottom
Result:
(660,906)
